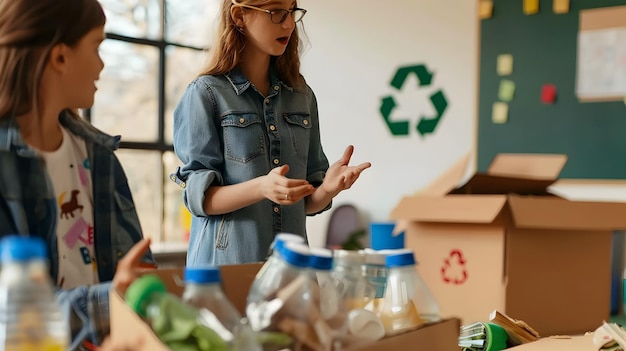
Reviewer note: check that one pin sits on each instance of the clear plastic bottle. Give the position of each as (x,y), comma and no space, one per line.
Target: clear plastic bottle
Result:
(289,263)
(30,318)
(269,277)
(203,290)
(281,238)
(408,302)
(375,270)
(355,289)
(177,324)
(331,326)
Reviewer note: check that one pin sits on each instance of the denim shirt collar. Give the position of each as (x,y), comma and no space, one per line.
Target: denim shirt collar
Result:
(10,134)
(241,83)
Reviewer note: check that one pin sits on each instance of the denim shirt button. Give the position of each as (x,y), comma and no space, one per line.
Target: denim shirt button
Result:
(276,87)
(276,161)
(267,101)
(276,209)
(272,127)
(306,122)
(241,120)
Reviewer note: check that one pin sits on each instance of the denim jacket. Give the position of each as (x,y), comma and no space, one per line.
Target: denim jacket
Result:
(226,132)
(27,207)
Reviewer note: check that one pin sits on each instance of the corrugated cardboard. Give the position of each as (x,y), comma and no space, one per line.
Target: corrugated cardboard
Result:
(574,343)
(502,241)
(127,328)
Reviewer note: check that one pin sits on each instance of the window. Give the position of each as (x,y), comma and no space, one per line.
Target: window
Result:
(154,48)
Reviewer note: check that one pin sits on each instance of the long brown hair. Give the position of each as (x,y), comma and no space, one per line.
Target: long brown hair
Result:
(29,29)
(228,48)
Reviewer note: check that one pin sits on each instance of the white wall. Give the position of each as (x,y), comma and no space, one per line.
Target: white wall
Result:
(354,49)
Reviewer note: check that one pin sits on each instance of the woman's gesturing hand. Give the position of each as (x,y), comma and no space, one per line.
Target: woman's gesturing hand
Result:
(282,190)
(340,176)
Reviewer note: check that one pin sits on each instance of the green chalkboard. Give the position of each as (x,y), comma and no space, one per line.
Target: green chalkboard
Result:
(544,47)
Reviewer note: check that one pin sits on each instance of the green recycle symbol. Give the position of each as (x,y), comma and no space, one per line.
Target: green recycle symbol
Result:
(426,125)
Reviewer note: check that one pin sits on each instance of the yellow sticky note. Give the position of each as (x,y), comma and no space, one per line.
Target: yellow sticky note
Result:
(485,9)
(500,112)
(531,6)
(506,90)
(505,64)
(560,6)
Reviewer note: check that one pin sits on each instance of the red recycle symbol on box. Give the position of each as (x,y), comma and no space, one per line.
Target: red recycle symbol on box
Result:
(454,270)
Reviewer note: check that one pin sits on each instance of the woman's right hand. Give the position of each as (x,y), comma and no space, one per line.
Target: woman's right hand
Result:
(282,190)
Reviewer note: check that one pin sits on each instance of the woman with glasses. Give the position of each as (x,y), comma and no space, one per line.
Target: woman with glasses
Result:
(247,132)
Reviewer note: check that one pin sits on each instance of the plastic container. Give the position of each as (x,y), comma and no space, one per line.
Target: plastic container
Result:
(408,302)
(355,289)
(282,282)
(281,238)
(178,325)
(30,318)
(375,270)
(269,278)
(203,290)
(382,237)
(329,312)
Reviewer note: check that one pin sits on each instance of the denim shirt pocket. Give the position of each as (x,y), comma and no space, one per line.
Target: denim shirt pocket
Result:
(299,126)
(243,136)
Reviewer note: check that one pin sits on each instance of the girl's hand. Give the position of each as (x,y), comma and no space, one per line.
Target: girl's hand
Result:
(340,176)
(282,190)
(130,267)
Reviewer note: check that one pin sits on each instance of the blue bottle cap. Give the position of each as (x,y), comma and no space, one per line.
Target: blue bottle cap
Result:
(321,259)
(22,248)
(281,238)
(202,275)
(296,254)
(400,259)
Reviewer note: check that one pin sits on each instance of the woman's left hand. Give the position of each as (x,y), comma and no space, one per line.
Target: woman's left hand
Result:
(340,176)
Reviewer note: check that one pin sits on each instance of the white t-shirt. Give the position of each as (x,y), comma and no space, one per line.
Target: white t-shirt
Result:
(69,170)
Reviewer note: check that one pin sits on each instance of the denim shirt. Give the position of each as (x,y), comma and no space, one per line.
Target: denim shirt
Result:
(28,207)
(226,132)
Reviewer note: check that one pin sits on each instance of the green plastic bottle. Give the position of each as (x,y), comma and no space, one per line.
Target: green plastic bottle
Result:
(174,322)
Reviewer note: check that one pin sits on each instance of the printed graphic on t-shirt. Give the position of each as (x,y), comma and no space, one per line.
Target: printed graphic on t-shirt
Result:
(68,208)
(68,168)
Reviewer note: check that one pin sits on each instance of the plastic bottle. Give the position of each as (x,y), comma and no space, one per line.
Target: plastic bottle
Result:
(177,324)
(30,318)
(331,312)
(375,270)
(269,278)
(355,289)
(288,264)
(408,302)
(283,301)
(281,238)
(203,290)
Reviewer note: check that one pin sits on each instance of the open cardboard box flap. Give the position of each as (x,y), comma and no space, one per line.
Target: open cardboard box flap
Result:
(517,183)
(523,174)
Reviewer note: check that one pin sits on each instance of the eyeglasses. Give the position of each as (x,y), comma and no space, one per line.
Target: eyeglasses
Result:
(278,16)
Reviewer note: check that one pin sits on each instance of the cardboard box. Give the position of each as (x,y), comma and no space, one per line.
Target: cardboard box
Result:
(502,241)
(127,328)
(574,343)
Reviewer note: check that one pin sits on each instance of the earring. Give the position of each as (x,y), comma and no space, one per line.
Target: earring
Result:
(240,29)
